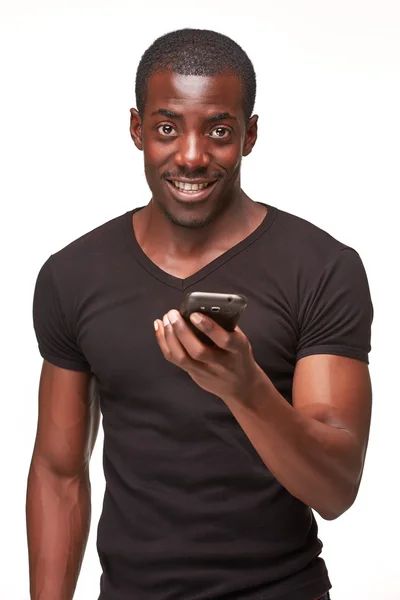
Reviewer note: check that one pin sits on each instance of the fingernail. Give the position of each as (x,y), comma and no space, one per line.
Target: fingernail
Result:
(166,321)
(156,325)
(196,318)
(172,316)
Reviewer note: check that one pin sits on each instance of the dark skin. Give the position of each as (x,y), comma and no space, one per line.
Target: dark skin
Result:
(315,448)
(58,505)
(191,147)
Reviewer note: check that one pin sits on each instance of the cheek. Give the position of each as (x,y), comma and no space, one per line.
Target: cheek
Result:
(230,157)
(155,153)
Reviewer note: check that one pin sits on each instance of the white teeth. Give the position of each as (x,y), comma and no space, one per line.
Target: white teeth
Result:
(189,187)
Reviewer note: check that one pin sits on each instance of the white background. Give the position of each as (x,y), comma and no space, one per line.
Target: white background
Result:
(328,151)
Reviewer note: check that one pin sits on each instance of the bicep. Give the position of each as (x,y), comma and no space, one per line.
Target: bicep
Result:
(67,420)
(335,390)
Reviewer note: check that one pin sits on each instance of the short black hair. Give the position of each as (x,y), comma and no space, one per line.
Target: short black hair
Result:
(196,52)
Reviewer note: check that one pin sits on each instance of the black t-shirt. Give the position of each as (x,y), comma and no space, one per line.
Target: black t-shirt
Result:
(190,510)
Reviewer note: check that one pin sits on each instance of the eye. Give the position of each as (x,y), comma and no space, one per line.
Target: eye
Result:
(220,133)
(166,130)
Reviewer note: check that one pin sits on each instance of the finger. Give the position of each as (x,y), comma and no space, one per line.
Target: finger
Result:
(177,353)
(187,338)
(226,340)
(160,337)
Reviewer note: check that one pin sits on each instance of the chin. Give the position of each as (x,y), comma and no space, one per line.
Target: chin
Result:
(186,220)
(192,215)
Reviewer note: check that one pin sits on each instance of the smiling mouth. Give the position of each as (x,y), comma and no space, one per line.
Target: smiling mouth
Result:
(190,188)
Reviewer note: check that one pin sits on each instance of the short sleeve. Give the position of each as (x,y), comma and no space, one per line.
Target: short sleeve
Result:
(55,338)
(337,313)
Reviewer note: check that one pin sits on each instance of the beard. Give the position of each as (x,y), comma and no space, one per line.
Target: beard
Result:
(193,222)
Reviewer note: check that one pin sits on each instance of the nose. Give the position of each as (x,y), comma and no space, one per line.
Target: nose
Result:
(192,152)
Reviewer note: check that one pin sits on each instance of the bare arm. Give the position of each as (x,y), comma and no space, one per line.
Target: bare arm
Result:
(58,503)
(315,448)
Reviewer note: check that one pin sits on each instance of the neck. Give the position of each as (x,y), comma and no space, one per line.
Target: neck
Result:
(155,230)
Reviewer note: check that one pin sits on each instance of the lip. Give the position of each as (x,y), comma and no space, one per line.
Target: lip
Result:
(190,197)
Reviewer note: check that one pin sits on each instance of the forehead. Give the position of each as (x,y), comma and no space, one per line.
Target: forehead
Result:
(195,93)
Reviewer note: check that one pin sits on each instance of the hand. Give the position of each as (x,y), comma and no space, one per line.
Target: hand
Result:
(227,370)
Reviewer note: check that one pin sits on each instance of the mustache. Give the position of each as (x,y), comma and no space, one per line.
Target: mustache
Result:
(209,177)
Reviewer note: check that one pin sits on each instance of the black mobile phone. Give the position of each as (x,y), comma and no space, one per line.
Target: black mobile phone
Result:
(224,309)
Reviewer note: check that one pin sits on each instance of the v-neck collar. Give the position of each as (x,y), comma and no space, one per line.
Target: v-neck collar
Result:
(182,284)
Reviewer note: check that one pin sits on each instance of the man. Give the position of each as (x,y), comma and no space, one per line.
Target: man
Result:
(214,456)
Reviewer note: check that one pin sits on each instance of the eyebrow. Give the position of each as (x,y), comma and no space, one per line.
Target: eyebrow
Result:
(173,115)
(221,117)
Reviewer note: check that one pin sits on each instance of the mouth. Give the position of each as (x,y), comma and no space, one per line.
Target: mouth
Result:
(190,192)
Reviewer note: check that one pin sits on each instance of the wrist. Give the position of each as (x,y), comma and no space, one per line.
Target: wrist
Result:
(255,390)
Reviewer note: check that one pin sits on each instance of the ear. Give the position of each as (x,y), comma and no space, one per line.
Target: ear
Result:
(136,128)
(251,135)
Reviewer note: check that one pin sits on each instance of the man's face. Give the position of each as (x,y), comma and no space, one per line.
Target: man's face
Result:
(193,134)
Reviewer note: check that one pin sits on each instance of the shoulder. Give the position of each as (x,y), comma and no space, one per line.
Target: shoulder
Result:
(304,243)
(78,265)
(100,240)
(90,253)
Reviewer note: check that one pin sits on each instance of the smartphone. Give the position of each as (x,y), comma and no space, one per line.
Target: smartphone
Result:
(224,309)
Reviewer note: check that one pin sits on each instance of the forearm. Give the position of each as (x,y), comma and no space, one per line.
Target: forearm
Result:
(58,519)
(316,462)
